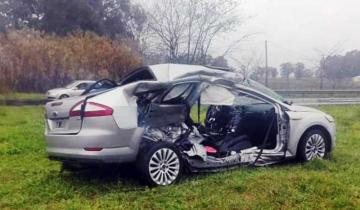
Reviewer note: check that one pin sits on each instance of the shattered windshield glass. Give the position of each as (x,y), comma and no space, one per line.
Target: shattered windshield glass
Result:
(261,88)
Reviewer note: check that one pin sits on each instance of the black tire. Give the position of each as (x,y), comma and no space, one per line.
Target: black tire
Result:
(313,145)
(171,170)
(64,96)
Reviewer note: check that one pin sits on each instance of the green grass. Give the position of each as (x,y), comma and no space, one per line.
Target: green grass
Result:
(28,180)
(22,96)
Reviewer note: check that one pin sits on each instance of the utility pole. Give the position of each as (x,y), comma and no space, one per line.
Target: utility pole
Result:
(266,64)
(322,72)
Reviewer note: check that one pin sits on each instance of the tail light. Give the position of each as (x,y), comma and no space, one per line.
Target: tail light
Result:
(93,149)
(92,109)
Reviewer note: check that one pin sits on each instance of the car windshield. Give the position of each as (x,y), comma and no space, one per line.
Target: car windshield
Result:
(261,88)
(70,85)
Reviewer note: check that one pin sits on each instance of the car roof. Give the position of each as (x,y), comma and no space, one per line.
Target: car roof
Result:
(172,72)
(89,81)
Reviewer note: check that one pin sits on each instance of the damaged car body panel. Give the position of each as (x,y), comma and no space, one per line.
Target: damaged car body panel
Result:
(175,117)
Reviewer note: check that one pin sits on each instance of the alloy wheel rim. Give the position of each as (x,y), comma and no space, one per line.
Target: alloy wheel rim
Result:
(164,166)
(315,147)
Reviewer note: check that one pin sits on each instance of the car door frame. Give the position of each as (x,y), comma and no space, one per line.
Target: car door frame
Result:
(282,121)
(281,148)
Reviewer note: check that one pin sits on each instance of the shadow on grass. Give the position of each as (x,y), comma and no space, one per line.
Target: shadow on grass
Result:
(114,174)
(95,180)
(125,177)
(110,173)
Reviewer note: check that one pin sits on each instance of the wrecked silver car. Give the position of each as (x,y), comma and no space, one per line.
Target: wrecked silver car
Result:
(170,118)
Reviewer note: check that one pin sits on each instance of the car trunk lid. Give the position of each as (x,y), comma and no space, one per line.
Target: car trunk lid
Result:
(58,116)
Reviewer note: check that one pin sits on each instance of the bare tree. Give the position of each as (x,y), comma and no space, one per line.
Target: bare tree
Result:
(324,56)
(187,28)
(286,69)
(246,64)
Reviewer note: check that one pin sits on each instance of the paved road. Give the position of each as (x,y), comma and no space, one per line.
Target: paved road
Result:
(325,101)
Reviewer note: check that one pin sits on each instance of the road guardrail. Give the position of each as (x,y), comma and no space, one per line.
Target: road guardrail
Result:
(319,93)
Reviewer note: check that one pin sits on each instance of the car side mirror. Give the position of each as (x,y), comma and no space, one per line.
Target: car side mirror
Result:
(75,88)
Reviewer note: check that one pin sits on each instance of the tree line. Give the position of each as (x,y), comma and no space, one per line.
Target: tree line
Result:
(34,61)
(113,18)
(333,68)
(44,44)
(338,67)
(181,31)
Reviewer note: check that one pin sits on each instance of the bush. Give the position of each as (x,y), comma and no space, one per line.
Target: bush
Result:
(31,61)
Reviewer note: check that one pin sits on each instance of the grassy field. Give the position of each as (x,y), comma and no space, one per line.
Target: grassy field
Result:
(22,96)
(28,180)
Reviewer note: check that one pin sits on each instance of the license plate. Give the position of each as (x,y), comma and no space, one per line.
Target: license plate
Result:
(59,124)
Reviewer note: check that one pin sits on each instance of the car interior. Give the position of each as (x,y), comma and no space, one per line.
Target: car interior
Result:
(235,121)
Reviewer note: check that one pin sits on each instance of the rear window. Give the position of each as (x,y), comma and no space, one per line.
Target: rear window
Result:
(100,85)
(178,93)
(139,75)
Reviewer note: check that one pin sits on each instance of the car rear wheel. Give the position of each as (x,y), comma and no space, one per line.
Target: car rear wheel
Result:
(313,145)
(160,163)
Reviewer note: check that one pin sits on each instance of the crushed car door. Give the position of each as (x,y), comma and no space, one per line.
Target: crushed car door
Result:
(171,107)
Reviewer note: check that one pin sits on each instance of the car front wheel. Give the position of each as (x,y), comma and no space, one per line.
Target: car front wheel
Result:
(160,163)
(313,145)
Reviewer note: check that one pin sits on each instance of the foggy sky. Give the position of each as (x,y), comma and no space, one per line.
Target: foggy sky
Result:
(295,28)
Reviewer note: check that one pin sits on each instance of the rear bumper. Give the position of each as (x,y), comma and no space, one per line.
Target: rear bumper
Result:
(106,155)
(118,145)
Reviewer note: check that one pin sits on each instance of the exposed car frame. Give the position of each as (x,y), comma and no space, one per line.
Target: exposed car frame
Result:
(133,122)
